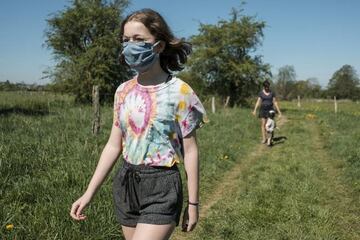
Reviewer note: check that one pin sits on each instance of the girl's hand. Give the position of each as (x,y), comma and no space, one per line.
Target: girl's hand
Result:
(191,219)
(78,206)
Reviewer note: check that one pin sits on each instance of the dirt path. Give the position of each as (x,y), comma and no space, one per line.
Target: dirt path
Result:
(336,197)
(228,183)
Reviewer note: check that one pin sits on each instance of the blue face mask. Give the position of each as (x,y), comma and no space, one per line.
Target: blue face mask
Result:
(140,56)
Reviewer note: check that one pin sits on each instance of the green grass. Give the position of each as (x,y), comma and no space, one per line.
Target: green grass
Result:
(47,159)
(48,154)
(340,133)
(306,188)
(229,135)
(342,136)
(32,103)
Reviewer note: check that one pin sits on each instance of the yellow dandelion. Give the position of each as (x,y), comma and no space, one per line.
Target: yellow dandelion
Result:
(310,116)
(9,227)
(224,157)
(185,89)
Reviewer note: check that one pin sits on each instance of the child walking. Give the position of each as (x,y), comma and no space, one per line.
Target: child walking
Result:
(269,127)
(155,120)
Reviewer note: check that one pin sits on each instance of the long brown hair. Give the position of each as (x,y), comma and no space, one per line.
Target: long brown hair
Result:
(176,50)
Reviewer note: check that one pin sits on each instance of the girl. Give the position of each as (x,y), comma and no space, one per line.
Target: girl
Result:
(155,118)
(267,100)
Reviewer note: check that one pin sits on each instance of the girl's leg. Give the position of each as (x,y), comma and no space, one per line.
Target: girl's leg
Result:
(154,232)
(263,131)
(128,232)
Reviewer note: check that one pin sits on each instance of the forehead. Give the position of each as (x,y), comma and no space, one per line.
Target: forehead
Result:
(133,28)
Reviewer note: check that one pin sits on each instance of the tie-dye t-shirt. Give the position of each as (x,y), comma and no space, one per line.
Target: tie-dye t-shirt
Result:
(154,119)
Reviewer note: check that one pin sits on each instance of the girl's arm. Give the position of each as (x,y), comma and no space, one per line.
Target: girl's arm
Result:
(192,172)
(256,105)
(107,160)
(277,106)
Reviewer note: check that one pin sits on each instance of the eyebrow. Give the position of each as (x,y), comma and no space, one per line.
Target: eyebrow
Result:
(136,35)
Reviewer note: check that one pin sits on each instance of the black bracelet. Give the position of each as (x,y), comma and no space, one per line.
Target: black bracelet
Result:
(194,204)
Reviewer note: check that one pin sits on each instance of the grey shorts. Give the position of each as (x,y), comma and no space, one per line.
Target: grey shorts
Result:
(144,194)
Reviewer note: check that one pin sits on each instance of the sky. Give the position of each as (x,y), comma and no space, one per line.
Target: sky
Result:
(316,37)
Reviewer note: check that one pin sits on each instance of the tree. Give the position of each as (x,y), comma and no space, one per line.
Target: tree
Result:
(85,41)
(224,57)
(309,88)
(285,81)
(344,83)
(314,88)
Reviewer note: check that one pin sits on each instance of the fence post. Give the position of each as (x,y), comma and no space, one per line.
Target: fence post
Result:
(335,104)
(299,104)
(96,110)
(227,101)
(213,104)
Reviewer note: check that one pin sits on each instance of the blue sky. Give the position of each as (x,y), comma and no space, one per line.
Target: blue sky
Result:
(317,37)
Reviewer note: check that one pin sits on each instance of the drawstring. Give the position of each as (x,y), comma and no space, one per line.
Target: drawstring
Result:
(130,179)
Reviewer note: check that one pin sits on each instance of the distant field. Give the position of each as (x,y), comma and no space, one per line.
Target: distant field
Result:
(297,190)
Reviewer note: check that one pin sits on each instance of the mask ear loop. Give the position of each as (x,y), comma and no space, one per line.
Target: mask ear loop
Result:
(120,57)
(170,75)
(155,44)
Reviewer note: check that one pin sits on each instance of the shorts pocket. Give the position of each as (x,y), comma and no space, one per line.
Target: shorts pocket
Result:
(156,187)
(177,183)
(160,194)
(118,189)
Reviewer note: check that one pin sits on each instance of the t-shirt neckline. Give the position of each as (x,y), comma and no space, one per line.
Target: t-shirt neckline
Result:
(153,88)
(268,94)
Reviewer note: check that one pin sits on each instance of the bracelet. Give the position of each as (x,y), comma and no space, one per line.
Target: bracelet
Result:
(194,204)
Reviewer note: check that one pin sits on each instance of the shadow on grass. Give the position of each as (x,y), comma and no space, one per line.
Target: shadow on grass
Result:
(23,111)
(278,140)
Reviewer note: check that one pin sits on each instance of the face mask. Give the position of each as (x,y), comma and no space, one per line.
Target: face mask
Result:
(140,55)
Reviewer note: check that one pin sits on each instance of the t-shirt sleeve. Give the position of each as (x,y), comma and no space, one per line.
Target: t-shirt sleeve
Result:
(191,113)
(118,99)
(116,110)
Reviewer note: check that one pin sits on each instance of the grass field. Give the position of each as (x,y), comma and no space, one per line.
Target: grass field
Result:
(305,187)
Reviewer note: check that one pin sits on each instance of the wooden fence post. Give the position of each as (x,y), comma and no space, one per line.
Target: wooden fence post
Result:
(213,104)
(227,101)
(299,104)
(335,104)
(96,110)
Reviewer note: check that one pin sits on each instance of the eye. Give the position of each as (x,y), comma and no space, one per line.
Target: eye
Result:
(139,39)
(125,39)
